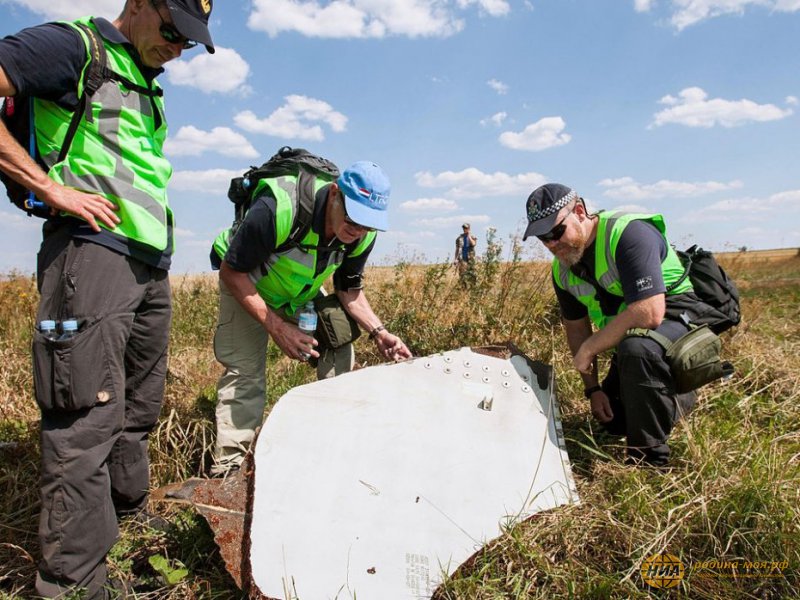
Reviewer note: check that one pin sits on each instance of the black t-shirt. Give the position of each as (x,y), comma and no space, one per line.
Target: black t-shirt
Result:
(255,240)
(640,251)
(46,62)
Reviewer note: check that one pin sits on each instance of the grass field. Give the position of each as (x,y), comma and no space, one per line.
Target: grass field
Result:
(733,493)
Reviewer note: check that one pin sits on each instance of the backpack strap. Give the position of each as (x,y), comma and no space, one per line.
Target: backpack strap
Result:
(96,74)
(686,259)
(305,212)
(660,339)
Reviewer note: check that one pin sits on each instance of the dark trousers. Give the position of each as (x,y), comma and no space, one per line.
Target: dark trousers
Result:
(100,394)
(642,394)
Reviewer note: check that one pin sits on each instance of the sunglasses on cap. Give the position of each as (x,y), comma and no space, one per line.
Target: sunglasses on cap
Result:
(350,221)
(170,34)
(556,232)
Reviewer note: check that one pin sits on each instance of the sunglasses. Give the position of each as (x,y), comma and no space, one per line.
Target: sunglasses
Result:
(556,232)
(171,34)
(352,223)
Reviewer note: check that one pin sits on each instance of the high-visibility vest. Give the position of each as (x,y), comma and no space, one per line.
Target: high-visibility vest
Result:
(287,280)
(609,231)
(118,154)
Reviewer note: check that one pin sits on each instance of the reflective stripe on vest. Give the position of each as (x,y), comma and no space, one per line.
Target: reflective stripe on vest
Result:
(286,279)
(609,231)
(119,155)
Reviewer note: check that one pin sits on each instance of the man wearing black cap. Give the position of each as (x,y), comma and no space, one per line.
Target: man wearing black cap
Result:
(106,249)
(616,271)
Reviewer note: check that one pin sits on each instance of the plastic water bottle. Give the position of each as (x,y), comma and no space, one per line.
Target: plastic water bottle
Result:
(68,329)
(307,322)
(48,329)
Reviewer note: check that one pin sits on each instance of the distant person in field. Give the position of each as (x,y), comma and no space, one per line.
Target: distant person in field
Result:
(106,249)
(612,270)
(464,259)
(264,285)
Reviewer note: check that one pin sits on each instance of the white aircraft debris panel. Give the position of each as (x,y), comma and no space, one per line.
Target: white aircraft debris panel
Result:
(377,483)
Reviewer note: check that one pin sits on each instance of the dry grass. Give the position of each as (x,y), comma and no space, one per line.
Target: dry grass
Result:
(732,492)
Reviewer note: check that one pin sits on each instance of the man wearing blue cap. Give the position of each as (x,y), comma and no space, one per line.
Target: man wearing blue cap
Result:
(267,277)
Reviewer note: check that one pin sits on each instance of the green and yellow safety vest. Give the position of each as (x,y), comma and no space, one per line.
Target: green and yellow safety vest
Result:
(118,153)
(287,280)
(609,231)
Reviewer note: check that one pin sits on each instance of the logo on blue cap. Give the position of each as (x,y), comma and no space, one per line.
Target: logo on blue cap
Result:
(366,190)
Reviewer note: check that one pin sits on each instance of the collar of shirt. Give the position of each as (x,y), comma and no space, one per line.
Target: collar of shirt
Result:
(115,36)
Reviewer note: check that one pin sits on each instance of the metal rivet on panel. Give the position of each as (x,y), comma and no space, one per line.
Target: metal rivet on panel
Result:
(506,384)
(467,364)
(525,378)
(448,359)
(485,368)
(505,373)
(526,388)
(485,380)
(448,370)
(428,365)
(467,375)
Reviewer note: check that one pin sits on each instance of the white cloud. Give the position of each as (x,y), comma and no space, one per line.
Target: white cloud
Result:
(296,119)
(190,141)
(792,99)
(222,72)
(626,188)
(180,232)
(545,133)
(498,86)
(496,119)
(72,9)
(456,221)
(693,109)
(690,12)
(776,207)
(408,236)
(355,18)
(643,5)
(429,205)
(494,8)
(634,208)
(211,181)
(18,220)
(473,183)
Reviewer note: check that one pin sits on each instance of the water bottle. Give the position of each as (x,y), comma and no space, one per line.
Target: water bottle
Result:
(307,322)
(48,329)
(69,328)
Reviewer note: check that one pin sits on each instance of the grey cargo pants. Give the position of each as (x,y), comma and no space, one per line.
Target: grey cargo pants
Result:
(100,395)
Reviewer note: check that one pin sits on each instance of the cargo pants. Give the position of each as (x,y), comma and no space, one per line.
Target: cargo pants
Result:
(240,345)
(641,391)
(100,394)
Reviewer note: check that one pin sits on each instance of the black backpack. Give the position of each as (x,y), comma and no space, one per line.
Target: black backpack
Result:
(713,286)
(286,161)
(17,116)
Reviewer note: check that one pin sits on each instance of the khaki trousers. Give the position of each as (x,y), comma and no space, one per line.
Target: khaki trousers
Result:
(240,345)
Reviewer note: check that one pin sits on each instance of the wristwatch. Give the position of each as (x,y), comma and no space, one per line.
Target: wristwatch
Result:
(591,390)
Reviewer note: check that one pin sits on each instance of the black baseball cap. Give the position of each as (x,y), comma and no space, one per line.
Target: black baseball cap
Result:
(191,20)
(543,206)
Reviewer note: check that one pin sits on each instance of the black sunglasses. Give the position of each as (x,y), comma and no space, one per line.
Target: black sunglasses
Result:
(556,232)
(350,221)
(171,34)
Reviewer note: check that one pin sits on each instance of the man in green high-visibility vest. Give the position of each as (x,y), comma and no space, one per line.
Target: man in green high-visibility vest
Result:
(106,249)
(613,270)
(267,277)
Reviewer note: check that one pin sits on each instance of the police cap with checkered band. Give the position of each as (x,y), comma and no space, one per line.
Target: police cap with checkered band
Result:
(544,204)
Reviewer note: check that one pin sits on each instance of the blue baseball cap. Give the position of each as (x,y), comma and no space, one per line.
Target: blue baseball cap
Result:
(366,190)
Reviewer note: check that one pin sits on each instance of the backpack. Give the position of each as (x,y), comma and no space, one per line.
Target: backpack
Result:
(286,161)
(17,115)
(713,286)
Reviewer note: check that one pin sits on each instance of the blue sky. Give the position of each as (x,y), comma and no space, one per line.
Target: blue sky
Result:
(684,107)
